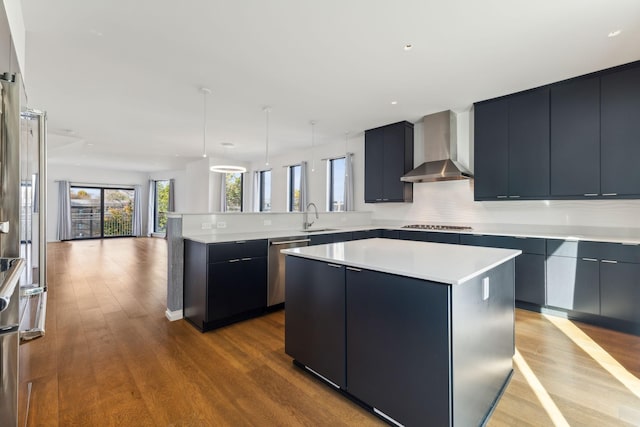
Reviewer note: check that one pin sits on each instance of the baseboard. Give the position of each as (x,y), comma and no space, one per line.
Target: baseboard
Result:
(174,315)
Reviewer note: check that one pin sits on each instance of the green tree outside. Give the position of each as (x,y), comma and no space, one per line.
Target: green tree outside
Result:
(162,205)
(233,183)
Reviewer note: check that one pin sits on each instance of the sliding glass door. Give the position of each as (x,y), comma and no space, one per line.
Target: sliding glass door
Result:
(98,212)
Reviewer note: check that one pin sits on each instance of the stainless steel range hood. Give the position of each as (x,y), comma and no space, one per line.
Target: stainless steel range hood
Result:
(440,151)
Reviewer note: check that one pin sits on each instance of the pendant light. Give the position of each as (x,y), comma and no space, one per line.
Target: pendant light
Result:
(215,168)
(267,111)
(205,91)
(313,158)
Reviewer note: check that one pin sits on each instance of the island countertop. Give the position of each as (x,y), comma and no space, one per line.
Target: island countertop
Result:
(436,262)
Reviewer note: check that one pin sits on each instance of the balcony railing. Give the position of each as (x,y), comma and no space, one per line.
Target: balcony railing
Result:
(87,223)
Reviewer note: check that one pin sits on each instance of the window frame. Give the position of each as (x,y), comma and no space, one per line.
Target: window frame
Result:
(101,189)
(330,184)
(261,190)
(291,186)
(156,206)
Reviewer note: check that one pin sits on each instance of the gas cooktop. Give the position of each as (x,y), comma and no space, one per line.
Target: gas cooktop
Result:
(437,227)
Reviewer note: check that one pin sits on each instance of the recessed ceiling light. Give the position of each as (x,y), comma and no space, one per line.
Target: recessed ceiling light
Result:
(227,144)
(408,46)
(394,102)
(96,33)
(614,33)
(89,144)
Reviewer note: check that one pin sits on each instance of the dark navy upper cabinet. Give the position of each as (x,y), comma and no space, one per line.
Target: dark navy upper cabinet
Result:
(620,140)
(388,155)
(575,138)
(512,147)
(491,150)
(529,144)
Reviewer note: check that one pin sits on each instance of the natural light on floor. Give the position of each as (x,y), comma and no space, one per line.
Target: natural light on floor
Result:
(598,354)
(541,393)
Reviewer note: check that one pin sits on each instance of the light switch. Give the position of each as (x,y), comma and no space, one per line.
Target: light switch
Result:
(485,289)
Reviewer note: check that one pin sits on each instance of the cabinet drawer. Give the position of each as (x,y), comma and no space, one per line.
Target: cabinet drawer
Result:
(596,250)
(429,236)
(527,245)
(573,249)
(236,250)
(365,234)
(619,252)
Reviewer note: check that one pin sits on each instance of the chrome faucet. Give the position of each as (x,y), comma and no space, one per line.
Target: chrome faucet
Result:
(306,224)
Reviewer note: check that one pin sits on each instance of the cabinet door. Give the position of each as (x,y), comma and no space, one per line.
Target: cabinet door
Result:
(620,140)
(373,165)
(491,151)
(620,291)
(575,138)
(530,278)
(390,234)
(573,284)
(315,311)
(529,144)
(393,163)
(386,316)
(236,287)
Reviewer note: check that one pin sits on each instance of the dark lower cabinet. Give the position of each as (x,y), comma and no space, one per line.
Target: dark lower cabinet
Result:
(398,346)
(620,291)
(315,312)
(573,284)
(390,234)
(232,288)
(236,287)
(530,279)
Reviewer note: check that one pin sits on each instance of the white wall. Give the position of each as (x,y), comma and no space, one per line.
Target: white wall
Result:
(83,175)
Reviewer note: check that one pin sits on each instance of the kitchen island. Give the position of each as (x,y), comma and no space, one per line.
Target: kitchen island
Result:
(419,333)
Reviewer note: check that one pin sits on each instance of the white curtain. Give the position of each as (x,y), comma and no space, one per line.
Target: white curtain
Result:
(223,192)
(151,207)
(256,191)
(348,183)
(304,186)
(172,195)
(137,210)
(64,210)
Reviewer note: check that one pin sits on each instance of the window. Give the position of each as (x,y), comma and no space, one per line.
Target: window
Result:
(336,179)
(101,212)
(161,206)
(294,189)
(265,191)
(233,192)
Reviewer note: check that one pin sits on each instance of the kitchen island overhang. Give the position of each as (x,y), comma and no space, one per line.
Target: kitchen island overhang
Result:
(417,332)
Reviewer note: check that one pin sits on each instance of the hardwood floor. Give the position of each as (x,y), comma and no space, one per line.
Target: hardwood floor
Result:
(111,358)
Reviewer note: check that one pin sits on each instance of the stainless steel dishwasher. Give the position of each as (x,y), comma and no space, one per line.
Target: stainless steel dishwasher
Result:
(275,289)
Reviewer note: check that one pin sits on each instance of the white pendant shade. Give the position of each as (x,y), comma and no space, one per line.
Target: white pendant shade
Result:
(227,169)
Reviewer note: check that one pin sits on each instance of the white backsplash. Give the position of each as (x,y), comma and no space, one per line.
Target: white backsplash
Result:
(452,202)
(249,222)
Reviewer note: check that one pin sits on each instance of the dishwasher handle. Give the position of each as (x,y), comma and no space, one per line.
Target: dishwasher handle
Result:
(288,242)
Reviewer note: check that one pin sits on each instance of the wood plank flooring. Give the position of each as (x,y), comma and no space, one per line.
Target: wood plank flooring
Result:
(111,358)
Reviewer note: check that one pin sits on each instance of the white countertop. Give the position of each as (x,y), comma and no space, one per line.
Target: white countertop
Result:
(437,262)
(597,234)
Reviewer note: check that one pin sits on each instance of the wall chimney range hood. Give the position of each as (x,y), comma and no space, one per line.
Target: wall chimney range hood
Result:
(440,130)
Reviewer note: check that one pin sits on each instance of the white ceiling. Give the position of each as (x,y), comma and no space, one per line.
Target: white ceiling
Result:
(120,79)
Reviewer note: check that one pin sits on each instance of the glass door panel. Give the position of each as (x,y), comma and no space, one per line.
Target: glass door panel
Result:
(86,212)
(118,212)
